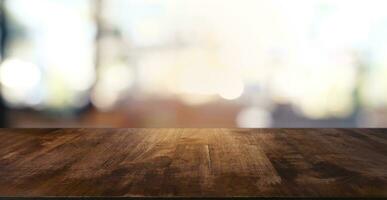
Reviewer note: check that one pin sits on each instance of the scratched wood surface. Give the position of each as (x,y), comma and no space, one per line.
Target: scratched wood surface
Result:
(194,162)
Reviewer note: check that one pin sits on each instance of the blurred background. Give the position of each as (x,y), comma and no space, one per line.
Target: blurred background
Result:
(193,63)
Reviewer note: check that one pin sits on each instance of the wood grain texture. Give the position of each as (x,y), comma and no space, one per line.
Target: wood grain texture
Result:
(194,162)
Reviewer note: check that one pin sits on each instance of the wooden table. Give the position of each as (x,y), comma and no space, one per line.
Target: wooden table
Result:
(194,162)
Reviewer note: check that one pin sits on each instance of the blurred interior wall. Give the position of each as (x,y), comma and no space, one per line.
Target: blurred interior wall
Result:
(3,38)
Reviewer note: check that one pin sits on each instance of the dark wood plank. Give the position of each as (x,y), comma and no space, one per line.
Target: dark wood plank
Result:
(194,162)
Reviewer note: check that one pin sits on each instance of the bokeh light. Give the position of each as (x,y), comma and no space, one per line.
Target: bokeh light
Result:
(175,63)
(20,80)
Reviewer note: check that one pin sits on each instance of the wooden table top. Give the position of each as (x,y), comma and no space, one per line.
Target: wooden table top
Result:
(194,162)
